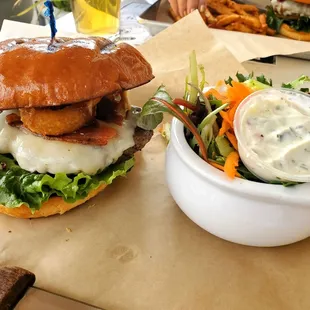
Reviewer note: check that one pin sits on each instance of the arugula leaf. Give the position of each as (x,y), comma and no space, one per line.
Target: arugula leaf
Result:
(285,184)
(288,85)
(152,111)
(228,81)
(296,83)
(305,90)
(246,174)
(263,80)
(214,101)
(259,83)
(161,103)
(18,186)
(242,78)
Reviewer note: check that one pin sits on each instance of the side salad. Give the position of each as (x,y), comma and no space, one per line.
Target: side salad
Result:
(208,115)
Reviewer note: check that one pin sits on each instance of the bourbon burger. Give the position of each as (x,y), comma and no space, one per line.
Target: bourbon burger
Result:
(66,127)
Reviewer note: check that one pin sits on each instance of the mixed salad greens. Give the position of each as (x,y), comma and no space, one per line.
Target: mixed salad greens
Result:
(208,115)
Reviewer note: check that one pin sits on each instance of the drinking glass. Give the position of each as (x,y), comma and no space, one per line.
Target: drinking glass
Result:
(96,17)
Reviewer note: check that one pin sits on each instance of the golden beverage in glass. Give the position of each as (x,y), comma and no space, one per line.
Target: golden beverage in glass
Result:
(96,17)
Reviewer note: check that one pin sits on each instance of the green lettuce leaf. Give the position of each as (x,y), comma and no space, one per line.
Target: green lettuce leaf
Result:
(301,24)
(273,21)
(18,186)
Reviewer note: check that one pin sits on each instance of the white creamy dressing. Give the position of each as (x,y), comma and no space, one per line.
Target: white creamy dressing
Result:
(34,153)
(276,127)
(288,8)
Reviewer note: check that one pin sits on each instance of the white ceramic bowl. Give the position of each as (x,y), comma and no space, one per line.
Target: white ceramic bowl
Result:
(238,210)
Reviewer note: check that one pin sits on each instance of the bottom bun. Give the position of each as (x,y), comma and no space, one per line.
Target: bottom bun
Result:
(55,205)
(289,32)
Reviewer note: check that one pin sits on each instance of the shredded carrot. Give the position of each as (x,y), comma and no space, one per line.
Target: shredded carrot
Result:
(215,165)
(237,92)
(231,163)
(226,117)
(231,114)
(232,139)
(224,128)
(220,167)
(216,94)
(234,96)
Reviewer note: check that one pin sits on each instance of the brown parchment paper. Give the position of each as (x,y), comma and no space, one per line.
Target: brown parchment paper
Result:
(132,248)
(245,46)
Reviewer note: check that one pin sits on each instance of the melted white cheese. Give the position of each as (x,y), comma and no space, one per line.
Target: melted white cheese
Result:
(34,153)
(276,128)
(288,8)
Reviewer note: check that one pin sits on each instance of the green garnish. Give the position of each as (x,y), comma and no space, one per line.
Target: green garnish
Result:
(18,186)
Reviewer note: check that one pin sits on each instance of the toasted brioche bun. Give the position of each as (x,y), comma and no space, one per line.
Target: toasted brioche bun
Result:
(55,205)
(34,74)
(291,33)
(302,1)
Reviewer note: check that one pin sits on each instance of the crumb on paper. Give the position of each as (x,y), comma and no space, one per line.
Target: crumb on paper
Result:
(67,240)
(164,130)
(9,231)
(91,206)
(68,229)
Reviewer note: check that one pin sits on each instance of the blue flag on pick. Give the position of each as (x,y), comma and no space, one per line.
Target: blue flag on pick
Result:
(50,13)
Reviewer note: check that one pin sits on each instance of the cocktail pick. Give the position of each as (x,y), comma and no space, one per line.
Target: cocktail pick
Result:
(49,12)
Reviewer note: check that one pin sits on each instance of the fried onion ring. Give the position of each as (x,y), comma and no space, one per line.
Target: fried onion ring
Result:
(49,122)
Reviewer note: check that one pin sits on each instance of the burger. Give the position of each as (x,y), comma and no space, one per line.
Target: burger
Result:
(290,18)
(67,129)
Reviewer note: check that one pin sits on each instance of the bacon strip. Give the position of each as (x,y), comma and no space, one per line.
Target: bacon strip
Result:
(97,134)
(13,120)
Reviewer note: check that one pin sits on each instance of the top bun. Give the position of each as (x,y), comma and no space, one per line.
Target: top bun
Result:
(36,74)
